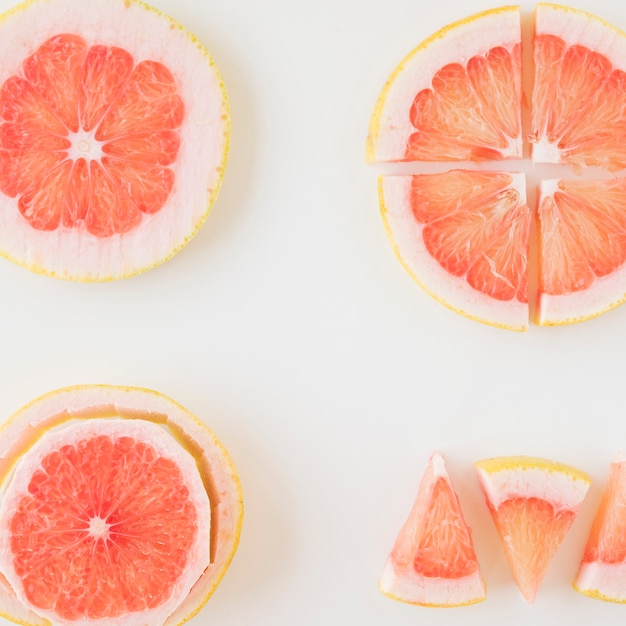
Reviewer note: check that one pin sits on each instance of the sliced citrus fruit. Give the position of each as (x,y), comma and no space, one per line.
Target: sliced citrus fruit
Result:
(463,236)
(602,572)
(433,562)
(117,507)
(582,247)
(456,97)
(114,131)
(533,503)
(579,94)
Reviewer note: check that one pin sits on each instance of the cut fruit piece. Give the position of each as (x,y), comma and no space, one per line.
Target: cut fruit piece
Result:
(456,97)
(433,562)
(602,572)
(463,236)
(582,243)
(117,507)
(533,503)
(579,95)
(114,132)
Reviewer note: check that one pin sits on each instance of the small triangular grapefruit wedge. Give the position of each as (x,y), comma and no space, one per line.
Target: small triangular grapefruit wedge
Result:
(602,572)
(582,249)
(579,94)
(433,562)
(456,97)
(117,507)
(463,236)
(533,503)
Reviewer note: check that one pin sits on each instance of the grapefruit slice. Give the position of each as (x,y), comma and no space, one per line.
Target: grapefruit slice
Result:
(114,132)
(118,507)
(533,503)
(463,236)
(579,94)
(456,97)
(602,572)
(582,237)
(433,562)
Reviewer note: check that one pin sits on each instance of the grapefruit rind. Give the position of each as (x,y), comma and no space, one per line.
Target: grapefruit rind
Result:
(218,473)
(402,582)
(390,126)
(205,137)
(602,581)
(405,235)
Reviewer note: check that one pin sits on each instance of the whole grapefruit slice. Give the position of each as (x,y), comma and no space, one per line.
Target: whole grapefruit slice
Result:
(117,507)
(433,562)
(533,503)
(456,97)
(463,236)
(114,133)
(602,572)
(579,94)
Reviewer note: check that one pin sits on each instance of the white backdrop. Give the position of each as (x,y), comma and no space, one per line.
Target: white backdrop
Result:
(289,327)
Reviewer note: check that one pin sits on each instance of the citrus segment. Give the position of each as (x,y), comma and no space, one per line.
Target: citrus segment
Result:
(433,560)
(582,243)
(463,235)
(112,140)
(118,507)
(533,503)
(578,113)
(455,97)
(602,572)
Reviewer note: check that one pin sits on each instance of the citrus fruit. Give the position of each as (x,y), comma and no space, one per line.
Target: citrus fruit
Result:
(533,503)
(602,572)
(456,96)
(433,562)
(114,131)
(578,113)
(117,507)
(467,254)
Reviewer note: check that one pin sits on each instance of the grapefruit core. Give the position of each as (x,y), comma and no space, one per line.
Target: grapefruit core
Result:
(114,132)
(533,503)
(433,562)
(602,572)
(117,507)
(458,97)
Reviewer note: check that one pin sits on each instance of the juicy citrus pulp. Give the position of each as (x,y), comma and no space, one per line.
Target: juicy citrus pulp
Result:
(117,505)
(113,139)
(602,572)
(464,82)
(533,503)
(433,560)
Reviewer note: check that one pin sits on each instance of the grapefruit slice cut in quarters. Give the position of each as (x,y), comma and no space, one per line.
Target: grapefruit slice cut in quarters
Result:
(117,507)
(456,97)
(582,237)
(533,503)
(433,562)
(463,236)
(602,572)
(579,94)
(114,131)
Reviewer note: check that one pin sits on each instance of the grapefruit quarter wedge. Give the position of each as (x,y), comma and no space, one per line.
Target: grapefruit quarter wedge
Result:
(602,572)
(533,503)
(117,507)
(433,562)
(114,134)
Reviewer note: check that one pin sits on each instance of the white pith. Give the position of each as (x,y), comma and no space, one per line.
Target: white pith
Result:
(85,146)
(166,446)
(455,292)
(147,35)
(605,580)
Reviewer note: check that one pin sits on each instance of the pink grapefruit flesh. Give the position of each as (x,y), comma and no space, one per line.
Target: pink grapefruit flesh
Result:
(433,562)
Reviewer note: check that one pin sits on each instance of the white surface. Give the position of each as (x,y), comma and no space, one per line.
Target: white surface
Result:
(288,325)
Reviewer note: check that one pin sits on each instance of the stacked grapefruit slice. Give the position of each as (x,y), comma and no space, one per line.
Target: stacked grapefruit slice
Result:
(118,507)
(464,234)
